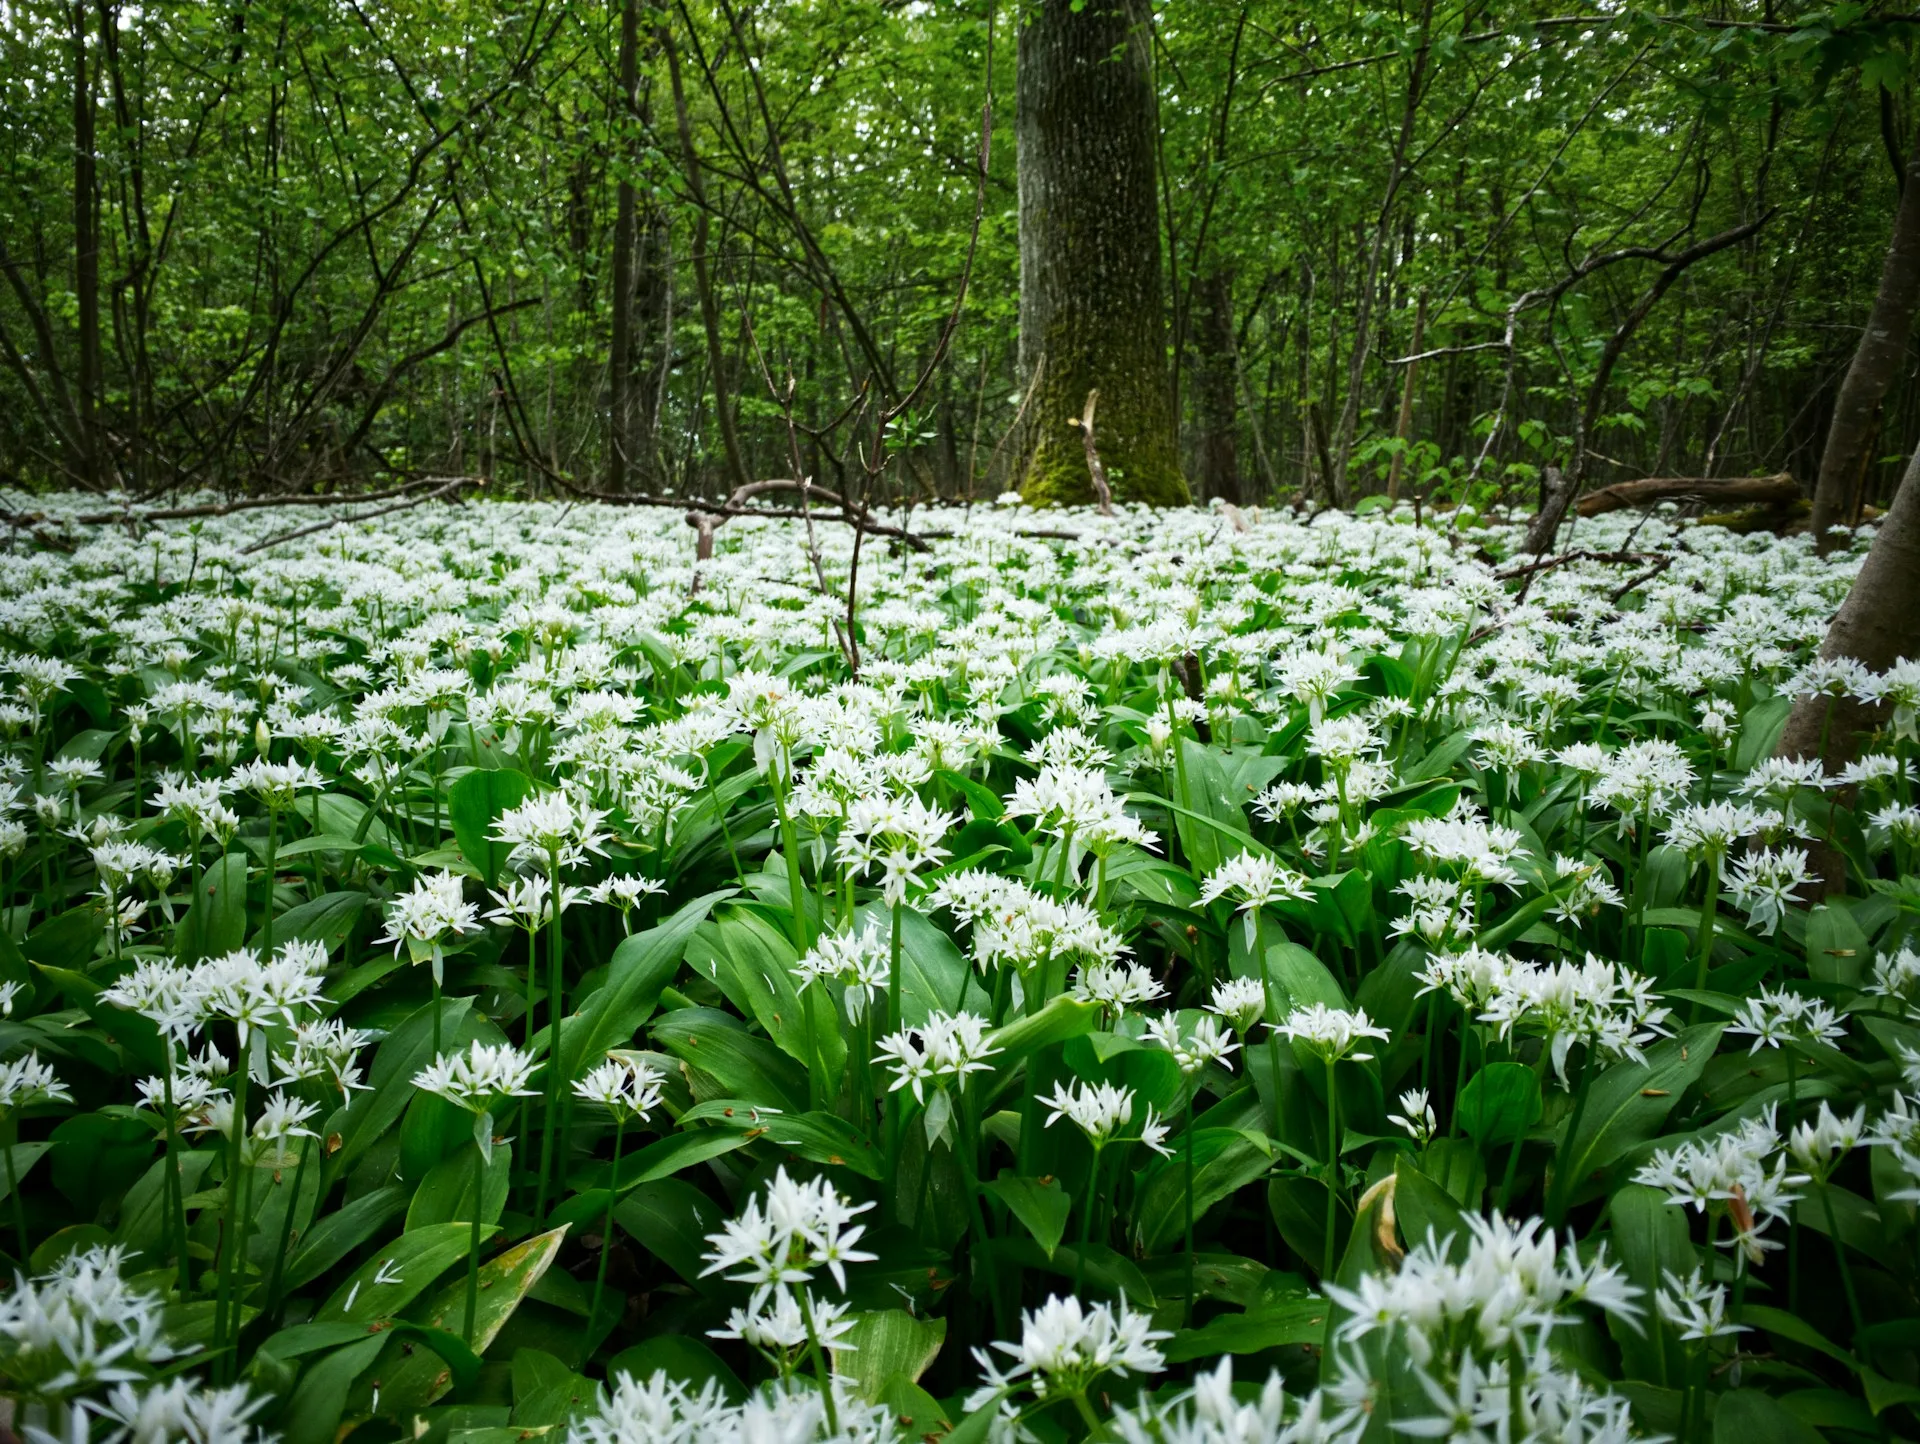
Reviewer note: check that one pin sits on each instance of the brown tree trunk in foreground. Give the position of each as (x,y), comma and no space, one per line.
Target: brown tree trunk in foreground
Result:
(1876,364)
(1090,283)
(1877,625)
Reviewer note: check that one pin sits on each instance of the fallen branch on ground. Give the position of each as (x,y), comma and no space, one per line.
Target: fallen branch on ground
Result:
(1780,487)
(458,483)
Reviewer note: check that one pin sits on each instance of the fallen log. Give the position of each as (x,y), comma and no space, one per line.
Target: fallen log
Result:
(1738,491)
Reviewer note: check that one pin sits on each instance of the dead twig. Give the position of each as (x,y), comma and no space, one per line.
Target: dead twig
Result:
(1098,472)
(1543,564)
(458,483)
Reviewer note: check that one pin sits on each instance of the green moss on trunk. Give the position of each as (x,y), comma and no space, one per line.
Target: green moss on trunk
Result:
(1090,282)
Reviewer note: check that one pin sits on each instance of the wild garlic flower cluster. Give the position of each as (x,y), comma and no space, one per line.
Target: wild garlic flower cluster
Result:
(779,1246)
(480,1078)
(660,1409)
(1741,1174)
(1604,1007)
(79,1327)
(1064,1348)
(944,1051)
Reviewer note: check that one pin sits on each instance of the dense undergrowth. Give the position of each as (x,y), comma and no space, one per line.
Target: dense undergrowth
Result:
(485,977)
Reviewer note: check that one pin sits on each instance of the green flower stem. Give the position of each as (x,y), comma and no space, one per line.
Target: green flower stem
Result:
(790,845)
(1086,1224)
(1793,1216)
(230,1254)
(1708,908)
(473,1240)
(556,1065)
(1557,1194)
(733,855)
(176,1203)
(13,1190)
(819,1363)
(894,1111)
(1193,1088)
(286,1233)
(606,1231)
(982,1252)
(273,847)
(1333,1172)
(1840,1253)
(1094,1427)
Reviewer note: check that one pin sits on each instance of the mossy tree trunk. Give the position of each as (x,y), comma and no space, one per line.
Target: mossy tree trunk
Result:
(1877,625)
(1090,284)
(1877,363)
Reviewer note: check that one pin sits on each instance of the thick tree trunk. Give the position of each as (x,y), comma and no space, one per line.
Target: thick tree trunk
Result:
(1090,283)
(1216,389)
(1877,625)
(86,252)
(1876,363)
(620,358)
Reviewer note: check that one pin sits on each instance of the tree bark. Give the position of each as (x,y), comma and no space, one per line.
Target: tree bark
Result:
(86,252)
(1090,279)
(1403,428)
(1216,389)
(1876,363)
(1742,491)
(1877,625)
(620,359)
(702,270)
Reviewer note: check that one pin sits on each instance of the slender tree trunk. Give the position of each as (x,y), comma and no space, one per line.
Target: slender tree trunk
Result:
(1876,363)
(1877,625)
(1216,389)
(1403,431)
(1090,280)
(86,251)
(702,269)
(620,361)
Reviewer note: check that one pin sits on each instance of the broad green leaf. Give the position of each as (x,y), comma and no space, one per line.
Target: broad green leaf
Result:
(71,939)
(889,1344)
(1748,1416)
(474,803)
(1300,1321)
(687,1360)
(824,1138)
(421,1377)
(754,964)
(1225,1160)
(1424,1211)
(1650,1238)
(313,1414)
(1628,1103)
(1301,979)
(397,1274)
(670,1155)
(402,1054)
(20,1158)
(334,1235)
(672,1219)
(739,1065)
(640,968)
(1042,1206)
(446,1193)
(327,920)
(216,922)
(1063,1017)
(1500,1103)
